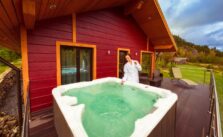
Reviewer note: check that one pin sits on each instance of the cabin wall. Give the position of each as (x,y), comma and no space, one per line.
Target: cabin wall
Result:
(42,58)
(107,29)
(110,30)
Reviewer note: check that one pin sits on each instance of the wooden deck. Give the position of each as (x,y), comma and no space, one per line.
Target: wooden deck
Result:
(192,112)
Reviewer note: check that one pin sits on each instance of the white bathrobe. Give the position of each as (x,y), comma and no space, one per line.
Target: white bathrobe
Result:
(131,71)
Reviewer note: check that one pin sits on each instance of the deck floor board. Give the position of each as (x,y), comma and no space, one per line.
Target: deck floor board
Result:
(192,112)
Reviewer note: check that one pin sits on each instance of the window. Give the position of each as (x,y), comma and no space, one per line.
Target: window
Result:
(146,62)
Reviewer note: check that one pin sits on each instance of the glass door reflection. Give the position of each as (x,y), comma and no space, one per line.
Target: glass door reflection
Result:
(85,64)
(76,64)
(68,65)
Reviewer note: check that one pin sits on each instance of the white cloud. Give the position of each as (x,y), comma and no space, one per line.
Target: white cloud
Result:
(197,21)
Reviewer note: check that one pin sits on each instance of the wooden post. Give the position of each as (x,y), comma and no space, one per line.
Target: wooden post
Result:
(25,70)
(74,29)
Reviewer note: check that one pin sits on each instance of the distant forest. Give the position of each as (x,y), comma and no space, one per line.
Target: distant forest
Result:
(198,53)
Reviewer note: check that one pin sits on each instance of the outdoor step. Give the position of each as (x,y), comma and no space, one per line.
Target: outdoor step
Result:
(38,114)
(41,121)
(47,130)
(40,125)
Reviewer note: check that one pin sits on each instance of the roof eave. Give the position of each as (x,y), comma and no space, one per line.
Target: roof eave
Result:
(165,24)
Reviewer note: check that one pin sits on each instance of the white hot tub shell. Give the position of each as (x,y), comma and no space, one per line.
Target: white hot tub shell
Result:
(68,113)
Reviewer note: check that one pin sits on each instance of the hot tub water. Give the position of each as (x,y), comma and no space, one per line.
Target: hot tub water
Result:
(111,109)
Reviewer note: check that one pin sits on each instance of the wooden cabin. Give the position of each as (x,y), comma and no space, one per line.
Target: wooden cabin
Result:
(67,41)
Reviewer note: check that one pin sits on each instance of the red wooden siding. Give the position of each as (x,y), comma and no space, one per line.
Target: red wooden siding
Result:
(42,58)
(110,30)
(107,29)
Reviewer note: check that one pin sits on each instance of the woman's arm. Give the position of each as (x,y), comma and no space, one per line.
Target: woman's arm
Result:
(138,66)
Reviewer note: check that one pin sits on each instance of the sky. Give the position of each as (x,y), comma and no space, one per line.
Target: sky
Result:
(197,21)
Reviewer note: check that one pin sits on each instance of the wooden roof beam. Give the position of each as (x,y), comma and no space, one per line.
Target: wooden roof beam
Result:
(165,23)
(29,13)
(163,47)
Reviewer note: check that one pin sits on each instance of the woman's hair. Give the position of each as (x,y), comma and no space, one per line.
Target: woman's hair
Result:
(128,54)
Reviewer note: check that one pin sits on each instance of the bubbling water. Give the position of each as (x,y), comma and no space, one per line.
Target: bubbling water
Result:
(111,109)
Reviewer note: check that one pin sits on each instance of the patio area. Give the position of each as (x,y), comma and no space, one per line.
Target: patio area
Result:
(192,113)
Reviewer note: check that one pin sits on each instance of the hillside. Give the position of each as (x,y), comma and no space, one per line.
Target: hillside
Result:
(10,56)
(198,53)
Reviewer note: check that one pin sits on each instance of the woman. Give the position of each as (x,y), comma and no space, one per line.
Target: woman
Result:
(131,70)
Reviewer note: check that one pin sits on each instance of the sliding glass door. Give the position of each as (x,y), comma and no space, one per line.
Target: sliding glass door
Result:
(85,64)
(122,62)
(76,64)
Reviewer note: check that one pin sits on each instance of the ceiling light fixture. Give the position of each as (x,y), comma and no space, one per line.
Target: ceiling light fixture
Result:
(139,5)
(52,4)
(149,18)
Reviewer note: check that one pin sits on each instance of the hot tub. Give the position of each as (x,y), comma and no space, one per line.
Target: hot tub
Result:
(105,108)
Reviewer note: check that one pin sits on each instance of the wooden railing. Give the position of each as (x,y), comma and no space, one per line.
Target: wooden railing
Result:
(26,116)
(215,120)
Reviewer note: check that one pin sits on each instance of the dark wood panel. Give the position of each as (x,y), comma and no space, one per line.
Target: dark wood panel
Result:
(42,57)
(18,9)
(56,21)
(40,99)
(42,83)
(43,40)
(8,35)
(113,37)
(108,63)
(44,74)
(45,32)
(4,16)
(105,70)
(35,49)
(92,25)
(42,66)
(166,127)
(39,107)
(8,6)
(103,42)
(115,23)
(43,7)
(41,91)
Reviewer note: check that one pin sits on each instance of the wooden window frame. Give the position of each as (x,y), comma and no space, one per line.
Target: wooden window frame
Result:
(74,44)
(152,61)
(118,50)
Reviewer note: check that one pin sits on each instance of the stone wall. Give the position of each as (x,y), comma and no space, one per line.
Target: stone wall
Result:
(7,80)
(8,125)
(8,122)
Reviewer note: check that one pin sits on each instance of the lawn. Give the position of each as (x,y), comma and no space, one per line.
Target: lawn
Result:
(16,63)
(197,74)
(3,68)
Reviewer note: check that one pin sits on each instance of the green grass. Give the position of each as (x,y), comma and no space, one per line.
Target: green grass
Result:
(196,74)
(3,68)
